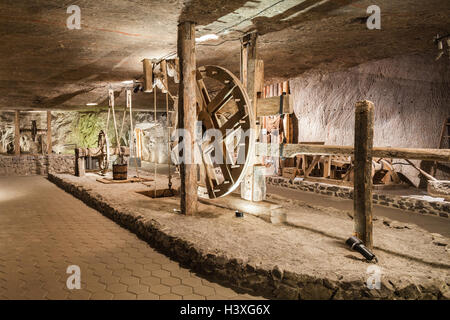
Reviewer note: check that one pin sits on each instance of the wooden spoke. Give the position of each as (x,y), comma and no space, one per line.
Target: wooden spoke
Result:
(221,98)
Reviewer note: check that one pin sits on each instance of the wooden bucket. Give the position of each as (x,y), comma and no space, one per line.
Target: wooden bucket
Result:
(120,171)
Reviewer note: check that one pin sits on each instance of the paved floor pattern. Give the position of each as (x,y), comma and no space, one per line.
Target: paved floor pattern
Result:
(44,230)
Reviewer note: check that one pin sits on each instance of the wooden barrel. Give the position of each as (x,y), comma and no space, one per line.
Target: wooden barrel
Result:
(120,171)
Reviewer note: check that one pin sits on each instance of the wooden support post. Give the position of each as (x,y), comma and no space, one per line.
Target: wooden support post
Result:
(49,132)
(249,49)
(363,172)
(271,106)
(290,150)
(80,170)
(244,64)
(17,133)
(148,75)
(252,77)
(187,114)
(314,162)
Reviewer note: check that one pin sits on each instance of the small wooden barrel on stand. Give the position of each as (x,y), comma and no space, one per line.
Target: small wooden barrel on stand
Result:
(120,171)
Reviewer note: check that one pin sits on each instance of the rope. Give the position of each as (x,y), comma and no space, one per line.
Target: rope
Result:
(107,120)
(154,112)
(132,133)
(105,133)
(111,95)
(123,120)
(168,140)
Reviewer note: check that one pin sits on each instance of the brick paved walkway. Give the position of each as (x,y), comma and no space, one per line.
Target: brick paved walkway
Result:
(43,230)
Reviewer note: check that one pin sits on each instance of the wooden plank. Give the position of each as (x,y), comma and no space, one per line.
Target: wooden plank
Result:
(187,113)
(252,56)
(49,132)
(243,65)
(363,172)
(442,155)
(271,106)
(259,78)
(163,65)
(312,165)
(330,181)
(290,150)
(289,172)
(286,87)
(327,167)
(159,193)
(80,170)
(17,133)
(267,210)
(148,75)
(251,71)
(129,180)
(95,152)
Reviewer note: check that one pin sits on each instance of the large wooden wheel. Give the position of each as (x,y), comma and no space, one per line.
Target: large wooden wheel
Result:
(230,112)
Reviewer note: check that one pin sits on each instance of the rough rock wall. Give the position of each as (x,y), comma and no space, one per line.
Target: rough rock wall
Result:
(411,96)
(26,142)
(26,165)
(70,129)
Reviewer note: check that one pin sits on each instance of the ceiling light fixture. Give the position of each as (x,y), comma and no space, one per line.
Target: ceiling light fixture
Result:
(91,104)
(207,37)
(128,82)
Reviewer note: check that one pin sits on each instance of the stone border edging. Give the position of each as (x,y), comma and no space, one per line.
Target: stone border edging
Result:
(275,283)
(35,164)
(441,209)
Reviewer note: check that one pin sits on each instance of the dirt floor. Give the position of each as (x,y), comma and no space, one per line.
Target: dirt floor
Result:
(433,224)
(414,262)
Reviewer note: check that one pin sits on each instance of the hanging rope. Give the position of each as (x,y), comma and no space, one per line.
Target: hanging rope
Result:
(132,144)
(111,99)
(154,115)
(168,140)
(123,119)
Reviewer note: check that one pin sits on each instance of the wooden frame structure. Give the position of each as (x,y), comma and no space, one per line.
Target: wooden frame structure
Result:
(290,150)
(34,131)
(82,153)
(362,152)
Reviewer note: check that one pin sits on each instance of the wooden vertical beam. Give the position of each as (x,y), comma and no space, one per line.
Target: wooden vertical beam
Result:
(252,68)
(163,66)
(17,133)
(363,172)
(49,132)
(187,114)
(252,76)
(244,64)
(80,169)
(259,79)
(148,75)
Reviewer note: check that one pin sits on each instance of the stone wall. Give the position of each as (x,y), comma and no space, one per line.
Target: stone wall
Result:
(410,93)
(71,129)
(26,165)
(437,208)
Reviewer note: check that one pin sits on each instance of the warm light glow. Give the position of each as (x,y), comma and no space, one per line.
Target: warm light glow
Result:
(207,37)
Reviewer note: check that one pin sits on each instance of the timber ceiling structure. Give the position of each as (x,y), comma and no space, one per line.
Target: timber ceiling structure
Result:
(46,66)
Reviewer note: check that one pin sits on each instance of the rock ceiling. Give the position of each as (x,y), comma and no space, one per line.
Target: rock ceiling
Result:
(46,66)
